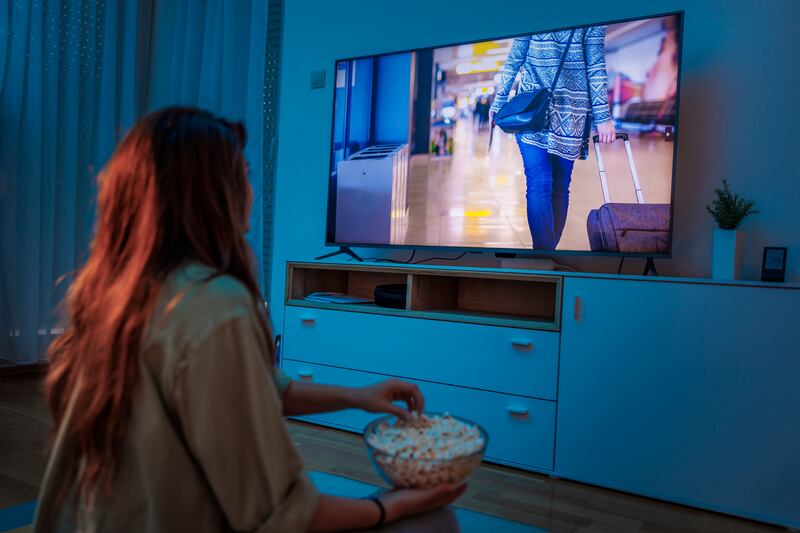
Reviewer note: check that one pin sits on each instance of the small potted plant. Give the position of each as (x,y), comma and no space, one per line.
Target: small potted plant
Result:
(728,211)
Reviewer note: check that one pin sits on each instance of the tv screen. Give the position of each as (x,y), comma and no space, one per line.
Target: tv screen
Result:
(559,141)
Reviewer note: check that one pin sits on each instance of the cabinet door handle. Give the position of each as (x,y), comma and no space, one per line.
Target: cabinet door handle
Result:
(518,410)
(305,374)
(578,309)
(307,320)
(522,344)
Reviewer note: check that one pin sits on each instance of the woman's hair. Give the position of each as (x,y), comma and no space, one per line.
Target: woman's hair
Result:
(175,190)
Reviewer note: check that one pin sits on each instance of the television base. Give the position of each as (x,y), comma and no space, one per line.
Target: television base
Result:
(342,250)
(650,268)
(531,263)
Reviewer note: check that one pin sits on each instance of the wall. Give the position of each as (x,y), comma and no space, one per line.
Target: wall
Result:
(737,116)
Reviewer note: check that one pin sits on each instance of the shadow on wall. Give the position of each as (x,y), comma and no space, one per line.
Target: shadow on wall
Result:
(702,148)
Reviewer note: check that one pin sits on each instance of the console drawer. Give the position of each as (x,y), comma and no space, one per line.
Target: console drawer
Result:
(521,430)
(516,361)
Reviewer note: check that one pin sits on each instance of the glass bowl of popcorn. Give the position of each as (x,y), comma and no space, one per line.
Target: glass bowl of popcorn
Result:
(425,450)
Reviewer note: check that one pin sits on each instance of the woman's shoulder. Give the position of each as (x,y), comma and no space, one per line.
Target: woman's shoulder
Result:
(202,281)
(195,300)
(205,280)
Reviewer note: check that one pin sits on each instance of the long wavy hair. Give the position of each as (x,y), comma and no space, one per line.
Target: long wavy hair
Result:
(175,190)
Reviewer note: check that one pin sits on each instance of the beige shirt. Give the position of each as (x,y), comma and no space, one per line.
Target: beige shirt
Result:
(207,448)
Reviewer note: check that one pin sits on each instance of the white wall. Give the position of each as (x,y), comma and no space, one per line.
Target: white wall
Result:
(738,110)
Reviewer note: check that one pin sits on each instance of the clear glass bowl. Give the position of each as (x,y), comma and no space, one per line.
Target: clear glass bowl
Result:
(421,472)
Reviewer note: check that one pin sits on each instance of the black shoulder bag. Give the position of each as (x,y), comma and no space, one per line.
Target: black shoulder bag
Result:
(528,111)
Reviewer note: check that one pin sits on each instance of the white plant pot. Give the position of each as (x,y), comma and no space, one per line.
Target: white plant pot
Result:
(726,257)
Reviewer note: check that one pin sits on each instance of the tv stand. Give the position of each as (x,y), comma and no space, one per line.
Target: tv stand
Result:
(520,354)
(650,268)
(342,250)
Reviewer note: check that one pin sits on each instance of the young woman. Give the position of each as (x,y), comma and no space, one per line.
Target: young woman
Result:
(580,101)
(167,407)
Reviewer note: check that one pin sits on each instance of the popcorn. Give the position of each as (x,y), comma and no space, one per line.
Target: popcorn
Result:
(426,451)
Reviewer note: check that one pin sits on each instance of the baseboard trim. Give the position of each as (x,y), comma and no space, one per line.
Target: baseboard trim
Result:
(33,369)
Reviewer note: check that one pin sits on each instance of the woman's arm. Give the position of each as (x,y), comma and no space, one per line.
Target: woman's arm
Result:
(228,411)
(334,513)
(507,74)
(597,75)
(345,514)
(306,398)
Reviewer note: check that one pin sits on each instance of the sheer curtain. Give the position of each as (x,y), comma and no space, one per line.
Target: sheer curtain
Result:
(210,53)
(68,91)
(75,75)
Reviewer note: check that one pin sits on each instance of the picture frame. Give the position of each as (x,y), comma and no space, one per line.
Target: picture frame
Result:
(773,264)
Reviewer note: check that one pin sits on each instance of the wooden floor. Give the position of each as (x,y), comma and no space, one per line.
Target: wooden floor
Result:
(24,425)
(556,505)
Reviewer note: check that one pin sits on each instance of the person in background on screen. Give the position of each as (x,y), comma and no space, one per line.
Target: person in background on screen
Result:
(579,102)
(168,409)
(482,111)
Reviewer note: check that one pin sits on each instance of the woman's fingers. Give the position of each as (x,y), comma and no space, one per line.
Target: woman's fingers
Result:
(410,394)
(404,502)
(395,410)
(419,401)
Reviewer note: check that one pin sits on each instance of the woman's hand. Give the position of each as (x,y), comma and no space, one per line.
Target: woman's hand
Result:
(378,398)
(607,132)
(334,513)
(407,502)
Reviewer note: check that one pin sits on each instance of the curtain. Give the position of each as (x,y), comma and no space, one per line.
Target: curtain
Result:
(75,76)
(211,54)
(68,86)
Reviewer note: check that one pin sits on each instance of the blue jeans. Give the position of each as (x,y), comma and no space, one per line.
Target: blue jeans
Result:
(547,178)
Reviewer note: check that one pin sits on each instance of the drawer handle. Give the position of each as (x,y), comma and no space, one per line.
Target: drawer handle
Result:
(522,344)
(307,320)
(517,410)
(305,374)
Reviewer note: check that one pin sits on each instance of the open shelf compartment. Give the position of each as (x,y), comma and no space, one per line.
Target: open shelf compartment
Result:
(504,299)
(303,281)
(487,297)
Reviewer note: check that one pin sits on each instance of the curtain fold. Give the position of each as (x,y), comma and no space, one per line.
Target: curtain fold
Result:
(74,77)
(210,54)
(66,96)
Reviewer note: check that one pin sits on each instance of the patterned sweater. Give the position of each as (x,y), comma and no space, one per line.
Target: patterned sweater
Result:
(537,57)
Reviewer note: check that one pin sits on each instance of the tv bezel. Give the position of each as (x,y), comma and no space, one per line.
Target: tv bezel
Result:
(517,251)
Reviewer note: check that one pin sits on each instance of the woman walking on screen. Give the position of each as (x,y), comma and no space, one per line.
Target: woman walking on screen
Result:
(579,102)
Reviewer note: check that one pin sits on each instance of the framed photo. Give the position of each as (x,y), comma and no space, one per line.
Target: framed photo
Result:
(773,265)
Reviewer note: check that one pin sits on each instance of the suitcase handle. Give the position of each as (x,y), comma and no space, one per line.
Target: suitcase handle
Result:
(601,167)
(623,136)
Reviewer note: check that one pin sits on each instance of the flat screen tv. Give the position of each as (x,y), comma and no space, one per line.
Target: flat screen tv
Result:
(418,162)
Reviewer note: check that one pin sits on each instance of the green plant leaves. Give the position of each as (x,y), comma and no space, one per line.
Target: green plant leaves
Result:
(729,209)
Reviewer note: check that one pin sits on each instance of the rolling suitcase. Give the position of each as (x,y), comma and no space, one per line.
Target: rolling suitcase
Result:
(628,228)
